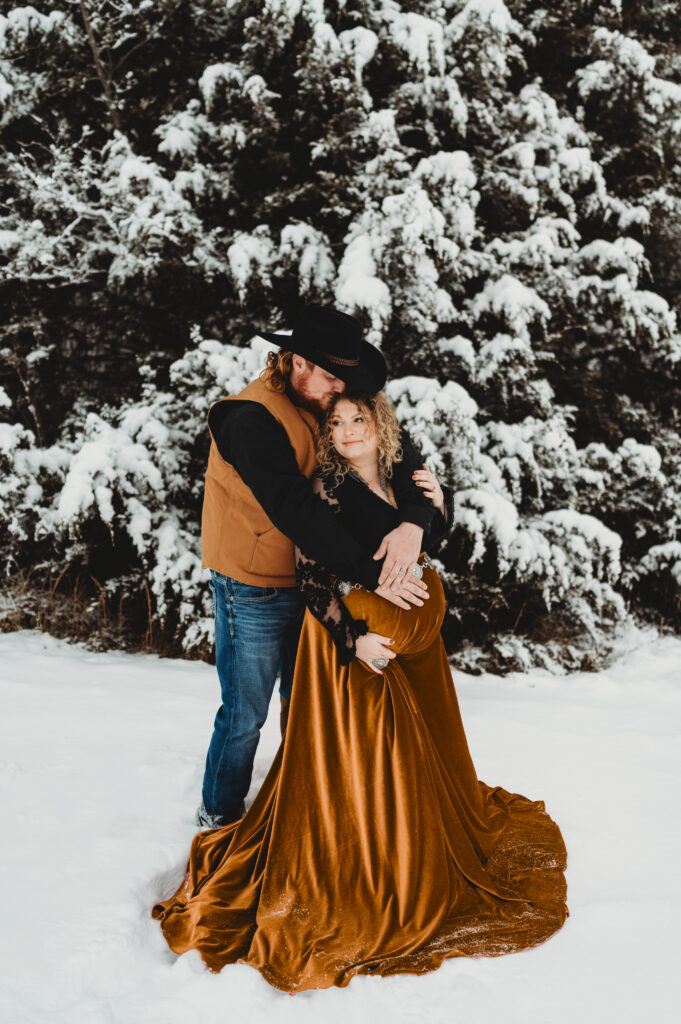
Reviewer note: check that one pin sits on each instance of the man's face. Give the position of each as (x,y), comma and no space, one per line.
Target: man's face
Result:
(314,386)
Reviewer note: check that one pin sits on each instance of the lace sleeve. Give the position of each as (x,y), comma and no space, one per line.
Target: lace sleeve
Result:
(315,584)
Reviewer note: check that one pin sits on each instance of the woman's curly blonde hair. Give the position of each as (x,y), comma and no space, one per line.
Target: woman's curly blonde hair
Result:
(384,422)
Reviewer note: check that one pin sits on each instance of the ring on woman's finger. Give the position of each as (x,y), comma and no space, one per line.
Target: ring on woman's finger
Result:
(379,662)
(402,572)
(417,571)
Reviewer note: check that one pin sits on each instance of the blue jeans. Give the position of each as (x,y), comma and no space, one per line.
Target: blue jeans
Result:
(256,635)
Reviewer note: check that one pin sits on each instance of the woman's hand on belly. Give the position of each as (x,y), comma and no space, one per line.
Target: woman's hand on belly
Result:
(373,645)
(412,591)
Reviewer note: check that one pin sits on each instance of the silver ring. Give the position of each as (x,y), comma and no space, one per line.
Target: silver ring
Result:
(417,571)
(379,662)
(402,572)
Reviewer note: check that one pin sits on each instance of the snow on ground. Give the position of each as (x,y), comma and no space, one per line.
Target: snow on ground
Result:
(101,760)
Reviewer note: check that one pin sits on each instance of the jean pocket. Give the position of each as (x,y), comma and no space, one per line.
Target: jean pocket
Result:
(213,597)
(247,594)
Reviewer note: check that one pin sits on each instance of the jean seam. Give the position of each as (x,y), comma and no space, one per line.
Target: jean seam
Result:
(228,724)
(229,605)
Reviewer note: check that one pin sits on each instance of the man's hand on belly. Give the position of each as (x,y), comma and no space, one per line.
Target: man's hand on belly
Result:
(401,549)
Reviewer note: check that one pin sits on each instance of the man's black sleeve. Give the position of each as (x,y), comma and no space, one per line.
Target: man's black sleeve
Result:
(258,447)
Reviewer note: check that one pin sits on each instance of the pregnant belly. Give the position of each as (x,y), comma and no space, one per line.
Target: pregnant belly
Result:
(412,629)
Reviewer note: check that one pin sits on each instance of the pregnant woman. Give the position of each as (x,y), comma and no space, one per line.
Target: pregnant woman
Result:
(371,847)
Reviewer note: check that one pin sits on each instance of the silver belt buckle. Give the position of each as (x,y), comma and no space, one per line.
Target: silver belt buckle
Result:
(343,587)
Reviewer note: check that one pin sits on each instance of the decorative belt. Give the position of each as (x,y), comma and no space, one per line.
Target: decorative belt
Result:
(342,588)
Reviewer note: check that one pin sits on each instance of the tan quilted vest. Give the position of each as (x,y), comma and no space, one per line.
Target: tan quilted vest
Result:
(238,539)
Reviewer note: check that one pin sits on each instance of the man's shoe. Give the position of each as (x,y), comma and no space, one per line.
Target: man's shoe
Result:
(283,714)
(203,819)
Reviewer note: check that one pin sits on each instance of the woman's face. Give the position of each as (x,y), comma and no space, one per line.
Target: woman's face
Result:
(352,431)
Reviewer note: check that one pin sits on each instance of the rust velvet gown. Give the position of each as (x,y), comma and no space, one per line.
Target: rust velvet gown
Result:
(371,847)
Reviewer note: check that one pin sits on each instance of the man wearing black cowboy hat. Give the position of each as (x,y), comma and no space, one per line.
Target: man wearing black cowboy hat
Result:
(258,503)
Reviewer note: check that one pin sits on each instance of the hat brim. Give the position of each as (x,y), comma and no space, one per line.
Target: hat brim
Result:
(369,375)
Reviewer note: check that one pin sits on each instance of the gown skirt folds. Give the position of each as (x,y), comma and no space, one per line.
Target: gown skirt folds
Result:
(371,847)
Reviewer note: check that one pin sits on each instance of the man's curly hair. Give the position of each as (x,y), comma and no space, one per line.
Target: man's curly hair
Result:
(277,370)
(383,418)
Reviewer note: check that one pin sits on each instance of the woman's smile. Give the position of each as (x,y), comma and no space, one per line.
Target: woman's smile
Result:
(352,428)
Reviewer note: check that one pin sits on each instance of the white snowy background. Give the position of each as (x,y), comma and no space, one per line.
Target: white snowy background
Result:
(102,760)
(495,187)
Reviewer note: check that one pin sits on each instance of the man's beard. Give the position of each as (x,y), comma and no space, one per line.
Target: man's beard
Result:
(299,398)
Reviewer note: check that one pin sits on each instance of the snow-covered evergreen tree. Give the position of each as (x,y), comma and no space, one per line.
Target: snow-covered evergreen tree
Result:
(493,188)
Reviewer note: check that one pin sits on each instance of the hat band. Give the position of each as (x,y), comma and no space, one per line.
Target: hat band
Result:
(336,359)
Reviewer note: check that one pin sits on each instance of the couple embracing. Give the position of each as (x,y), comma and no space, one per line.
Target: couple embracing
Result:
(371,846)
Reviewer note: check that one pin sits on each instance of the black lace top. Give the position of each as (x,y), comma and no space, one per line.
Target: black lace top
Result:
(368,518)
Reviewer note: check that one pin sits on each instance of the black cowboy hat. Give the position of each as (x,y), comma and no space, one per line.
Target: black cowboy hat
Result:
(333,340)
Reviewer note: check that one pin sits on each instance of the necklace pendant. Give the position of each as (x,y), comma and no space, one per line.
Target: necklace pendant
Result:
(382,481)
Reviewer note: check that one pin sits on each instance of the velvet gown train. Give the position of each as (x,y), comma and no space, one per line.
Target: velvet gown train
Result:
(371,847)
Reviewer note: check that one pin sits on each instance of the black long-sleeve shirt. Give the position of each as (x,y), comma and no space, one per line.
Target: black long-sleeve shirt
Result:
(257,445)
